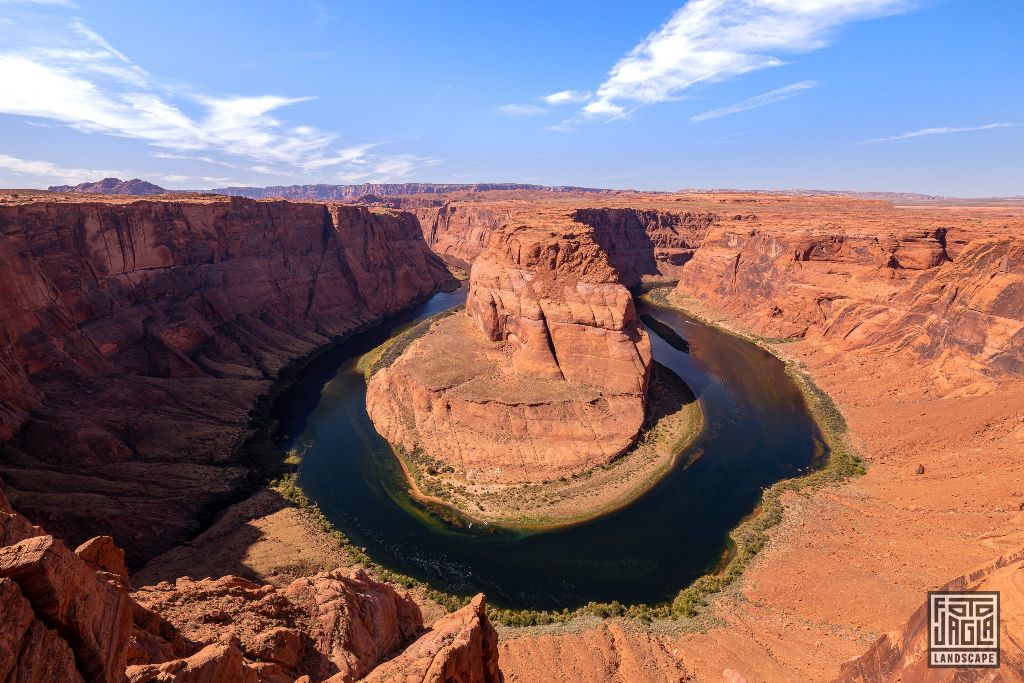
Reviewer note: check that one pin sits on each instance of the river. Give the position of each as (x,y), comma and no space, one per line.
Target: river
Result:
(757,431)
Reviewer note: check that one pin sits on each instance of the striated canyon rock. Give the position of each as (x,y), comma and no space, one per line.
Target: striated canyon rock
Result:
(901,293)
(122,320)
(64,621)
(358,621)
(964,320)
(29,651)
(642,244)
(551,372)
(648,245)
(460,230)
(781,281)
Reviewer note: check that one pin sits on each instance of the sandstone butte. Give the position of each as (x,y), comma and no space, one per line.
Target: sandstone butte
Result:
(909,315)
(552,365)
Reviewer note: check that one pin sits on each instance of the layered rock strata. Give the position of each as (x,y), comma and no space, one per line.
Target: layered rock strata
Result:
(544,375)
(648,245)
(643,245)
(962,317)
(120,322)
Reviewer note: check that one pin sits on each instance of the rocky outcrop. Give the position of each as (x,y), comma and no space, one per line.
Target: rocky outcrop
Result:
(647,245)
(133,187)
(553,300)
(461,646)
(358,621)
(329,626)
(552,367)
(121,322)
(29,651)
(67,616)
(221,662)
(59,619)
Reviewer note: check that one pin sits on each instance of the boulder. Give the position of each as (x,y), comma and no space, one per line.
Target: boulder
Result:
(462,646)
(220,662)
(92,615)
(358,621)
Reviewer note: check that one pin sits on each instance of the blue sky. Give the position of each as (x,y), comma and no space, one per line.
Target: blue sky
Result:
(900,95)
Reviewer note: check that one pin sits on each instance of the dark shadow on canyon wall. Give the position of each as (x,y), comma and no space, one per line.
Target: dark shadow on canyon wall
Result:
(646,245)
(127,387)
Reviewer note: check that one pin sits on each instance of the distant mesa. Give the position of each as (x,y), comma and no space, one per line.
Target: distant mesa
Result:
(112,186)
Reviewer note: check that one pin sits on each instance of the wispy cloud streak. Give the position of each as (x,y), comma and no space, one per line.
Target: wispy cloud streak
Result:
(942,130)
(706,41)
(522,110)
(771,97)
(50,171)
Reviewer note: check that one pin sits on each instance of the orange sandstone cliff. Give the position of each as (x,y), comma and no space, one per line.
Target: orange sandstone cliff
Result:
(898,291)
(545,376)
(136,335)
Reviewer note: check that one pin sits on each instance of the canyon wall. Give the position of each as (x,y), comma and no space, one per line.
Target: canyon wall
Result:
(902,655)
(643,245)
(122,322)
(460,231)
(546,375)
(895,292)
(647,245)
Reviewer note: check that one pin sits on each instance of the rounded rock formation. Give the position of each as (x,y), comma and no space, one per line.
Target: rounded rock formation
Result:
(545,375)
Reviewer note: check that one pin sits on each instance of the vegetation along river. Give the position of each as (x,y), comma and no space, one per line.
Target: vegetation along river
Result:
(757,431)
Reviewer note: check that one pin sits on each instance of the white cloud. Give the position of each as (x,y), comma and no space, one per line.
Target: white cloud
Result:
(186,157)
(777,95)
(53,3)
(943,130)
(714,40)
(50,172)
(89,85)
(567,97)
(522,110)
(563,127)
(393,168)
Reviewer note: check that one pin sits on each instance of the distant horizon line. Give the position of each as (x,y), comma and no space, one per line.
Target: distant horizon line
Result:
(513,185)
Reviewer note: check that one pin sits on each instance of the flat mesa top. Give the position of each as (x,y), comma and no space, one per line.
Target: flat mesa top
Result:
(747,210)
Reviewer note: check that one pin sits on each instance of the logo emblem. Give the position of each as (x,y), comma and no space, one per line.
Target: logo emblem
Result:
(963,629)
